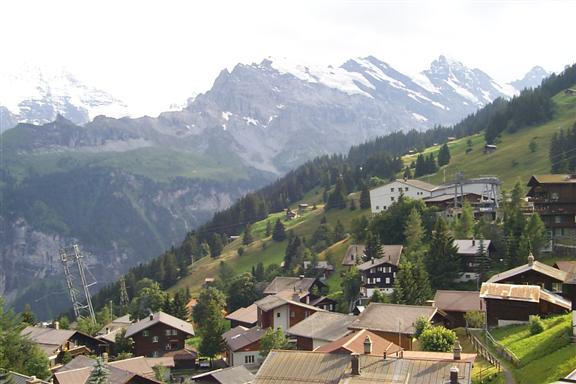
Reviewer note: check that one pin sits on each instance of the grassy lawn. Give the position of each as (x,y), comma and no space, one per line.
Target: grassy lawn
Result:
(513,159)
(544,357)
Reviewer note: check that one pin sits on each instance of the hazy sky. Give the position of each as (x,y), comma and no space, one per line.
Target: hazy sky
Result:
(153,53)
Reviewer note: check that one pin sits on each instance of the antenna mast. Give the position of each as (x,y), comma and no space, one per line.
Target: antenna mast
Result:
(70,256)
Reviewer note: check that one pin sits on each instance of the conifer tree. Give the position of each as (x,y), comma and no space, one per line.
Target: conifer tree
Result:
(337,199)
(482,260)
(442,263)
(268,228)
(373,246)
(413,231)
(536,233)
(364,197)
(213,326)
(279,233)
(339,231)
(444,155)
(100,374)
(412,285)
(247,237)
(465,228)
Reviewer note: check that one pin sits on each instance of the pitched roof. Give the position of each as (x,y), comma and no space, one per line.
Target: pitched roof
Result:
(535,266)
(446,197)
(392,317)
(281,283)
(528,293)
(247,315)
(274,301)
(78,370)
(139,365)
(354,343)
(552,179)
(327,326)
(354,253)
(458,301)
(418,184)
(18,378)
(470,247)
(232,375)
(389,254)
(81,376)
(121,322)
(239,337)
(284,367)
(163,318)
(568,266)
(48,339)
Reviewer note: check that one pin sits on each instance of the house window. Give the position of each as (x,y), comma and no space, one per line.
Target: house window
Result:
(155,339)
(155,354)
(391,189)
(394,274)
(387,280)
(277,314)
(406,189)
(391,198)
(377,279)
(170,332)
(557,219)
(249,359)
(306,313)
(377,207)
(145,333)
(169,347)
(384,207)
(292,314)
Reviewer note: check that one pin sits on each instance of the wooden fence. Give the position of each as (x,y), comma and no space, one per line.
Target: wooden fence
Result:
(483,351)
(502,350)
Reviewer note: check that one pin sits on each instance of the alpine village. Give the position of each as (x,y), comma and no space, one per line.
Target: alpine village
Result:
(445,255)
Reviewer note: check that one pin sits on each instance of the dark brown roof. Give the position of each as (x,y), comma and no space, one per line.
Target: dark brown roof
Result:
(280,284)
(326,326)
(458,301)
(240,337)
(163,318)
(392,317)
(354,343)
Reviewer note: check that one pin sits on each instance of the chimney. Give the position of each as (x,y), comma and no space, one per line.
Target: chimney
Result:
(151,316)
(372,260)
(454,375)
(530,259)
(33,380)
(401,355)
(385,355)
(105,357)
(355,364)
(107,330)
(457,350)
(473,241)
(56,324)
(301,277)
(367,345)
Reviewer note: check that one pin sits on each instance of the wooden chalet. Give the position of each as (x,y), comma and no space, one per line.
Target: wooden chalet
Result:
(395,322)
(455,304)
(242,345)
(54,342)
(158,334)
(380,273)
(468,256)
(554,199)
(533,273)
(245,316)
(279,312)
(510,304)
(355,254)
(310,290)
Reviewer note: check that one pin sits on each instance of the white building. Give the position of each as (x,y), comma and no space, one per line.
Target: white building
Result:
(384,196)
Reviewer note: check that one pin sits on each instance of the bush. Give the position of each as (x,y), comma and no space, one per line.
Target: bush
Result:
(536,325)
(437,339)
(420,326)
(475,319)
(240,251)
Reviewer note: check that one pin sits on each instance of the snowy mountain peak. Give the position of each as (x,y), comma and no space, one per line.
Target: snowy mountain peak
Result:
(531,79)
(36,95)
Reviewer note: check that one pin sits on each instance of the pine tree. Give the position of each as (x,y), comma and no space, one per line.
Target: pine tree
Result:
(373,246)
(351,284)
(466,222)
(444,155)
(413,231)
(442,263)
(536,232)
(337,199)
(268,228)
(339,231)
(279,233)
(28,316)
(100,374)
(213,326)
(412,285)
(247,238)
(364,197)
(482,260)
(216,245)
(420,168)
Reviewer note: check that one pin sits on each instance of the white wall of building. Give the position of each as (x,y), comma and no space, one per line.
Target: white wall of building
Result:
(282,318)
(384,196)
(239,358)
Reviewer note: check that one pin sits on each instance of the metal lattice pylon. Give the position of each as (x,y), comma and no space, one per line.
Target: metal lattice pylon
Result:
(76,282)
(123,293)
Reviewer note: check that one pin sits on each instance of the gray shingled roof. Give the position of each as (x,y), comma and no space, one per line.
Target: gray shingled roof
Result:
(354,253)
(232,375)
(160,317)
(458,301)
(327,326)
(239,337)
(248,315)
(274,301)
(280,284)
(18,378)
(392,317)
(470,247)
